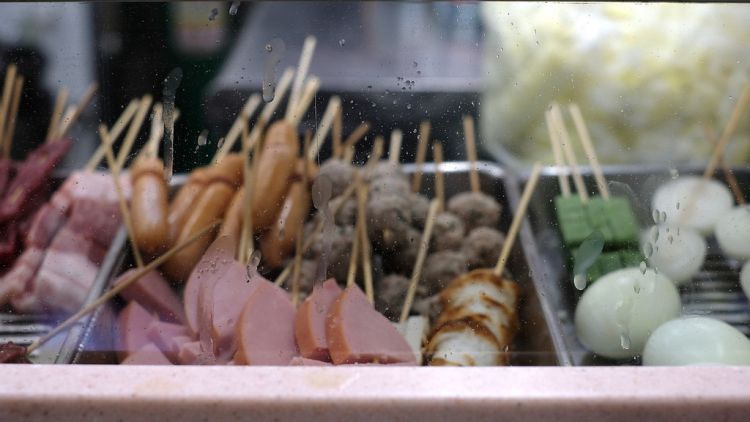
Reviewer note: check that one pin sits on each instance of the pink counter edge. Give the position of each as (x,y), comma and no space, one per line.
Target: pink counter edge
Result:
(135,393)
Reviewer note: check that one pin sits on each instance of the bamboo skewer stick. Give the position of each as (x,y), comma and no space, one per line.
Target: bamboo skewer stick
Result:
(354,257)
(282,87)
(364,241)
(156,133)
(728,174)
(729,129)
(57,111)
(424,139)
(117,129)
(10,79)
(300,233)
(120,287)
(69,121)
(338,133)
(135,127)
(311,88)
(437,152)
(557,152)
(588,147)
(515,225)
(567,148)
(246,238)
(471,152)
(122,202)
(7,138)
(248,109)
(333,108)
(394,151)
(308,49)
(416,274)
(353,139)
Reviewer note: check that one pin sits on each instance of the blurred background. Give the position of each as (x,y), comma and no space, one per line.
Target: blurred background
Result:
(650,78)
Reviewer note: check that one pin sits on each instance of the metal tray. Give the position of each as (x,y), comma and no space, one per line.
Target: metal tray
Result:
(535,345)
(714,291)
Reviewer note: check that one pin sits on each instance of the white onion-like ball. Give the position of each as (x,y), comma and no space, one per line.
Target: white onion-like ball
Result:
(692,201)
(696,340)
(733,233)
(616,315)
(745,279)
(678,253)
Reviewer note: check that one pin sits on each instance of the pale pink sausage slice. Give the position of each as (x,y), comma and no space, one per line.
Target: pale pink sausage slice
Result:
(190,353)
(132,327)
(174,347)
(153,293)
(147,355)
(357,333)
(265,333)
(161,334)
(210,267)
(310,321)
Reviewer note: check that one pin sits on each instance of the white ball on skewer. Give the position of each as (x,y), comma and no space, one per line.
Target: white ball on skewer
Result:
(733,232)
(616,315)
(695,340)
(676,252)
(745,279)
(692,201)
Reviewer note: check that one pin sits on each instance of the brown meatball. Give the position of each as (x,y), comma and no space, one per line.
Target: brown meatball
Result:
(482,247)
(428,306)
(420,207)
(389,186)
(391,293)
(386,169)
(339,172)
(388,219)
(448,232)
(341,245)
(475,209)
(402,260)
(442,267)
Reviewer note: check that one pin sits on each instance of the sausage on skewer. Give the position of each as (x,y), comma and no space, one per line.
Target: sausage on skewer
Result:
(149,205)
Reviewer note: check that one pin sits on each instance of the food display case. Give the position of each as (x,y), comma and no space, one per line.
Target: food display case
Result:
(374,211)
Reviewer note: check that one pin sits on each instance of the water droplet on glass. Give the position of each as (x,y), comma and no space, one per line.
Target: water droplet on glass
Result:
(269,47)
(342,42)
(670,238)
(408,106)
(213,14)
(625,341)
(655,216)
(252,265)
(637,288)
(579,281)
(663,217)
(678,205)
(220,144)
(234,7)
(415,64)
(203,137)
(648,250)
(655,234)
(643,267)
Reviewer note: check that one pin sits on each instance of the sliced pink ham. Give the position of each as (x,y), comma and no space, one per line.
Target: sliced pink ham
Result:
(132,326)
(149,354)
(310,321)
(162,333)
(14,281)
(95,220)
(153,293)
(231,293)
(357,333)
(265,332)
(174,346)
(190,353)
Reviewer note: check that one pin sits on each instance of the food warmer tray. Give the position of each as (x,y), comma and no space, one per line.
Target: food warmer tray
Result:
(714,291)
(535,345)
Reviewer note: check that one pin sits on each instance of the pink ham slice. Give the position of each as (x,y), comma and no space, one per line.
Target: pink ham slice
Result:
(132,326)
(357,333)
(175,344)
(265,333)
(310,321)
(162,333)
(190,353)
(153,293)
(149,354)
(231,293)
(210,267)
(14,281)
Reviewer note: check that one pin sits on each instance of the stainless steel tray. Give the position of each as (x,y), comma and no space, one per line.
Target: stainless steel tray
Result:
(536,344)
(714,291)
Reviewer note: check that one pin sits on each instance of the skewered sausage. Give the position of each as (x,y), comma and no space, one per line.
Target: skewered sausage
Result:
(149,204)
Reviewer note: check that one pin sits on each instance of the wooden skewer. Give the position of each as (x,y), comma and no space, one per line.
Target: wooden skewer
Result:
(437,152)
(515,225)
(588,147)
(333,108)
(57,111)
(120,287)
(416,273)
(364,241)
(557,152)
(69,121)
(728,174)
(311,88)
(10,130)
(246,239)
(567,148)
(135,127)
(729,129)
(351,275)
(122,202)
(156,132)
(338,134)
(424,139)
(300,233)
(10,78)
(353,139)
(282,87)
(471,152)
(304,66)
(117,129)
(394,152)
(248,109)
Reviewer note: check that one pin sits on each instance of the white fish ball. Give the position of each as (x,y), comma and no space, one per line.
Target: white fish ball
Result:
(678,253)
(692,201)
(733,233)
